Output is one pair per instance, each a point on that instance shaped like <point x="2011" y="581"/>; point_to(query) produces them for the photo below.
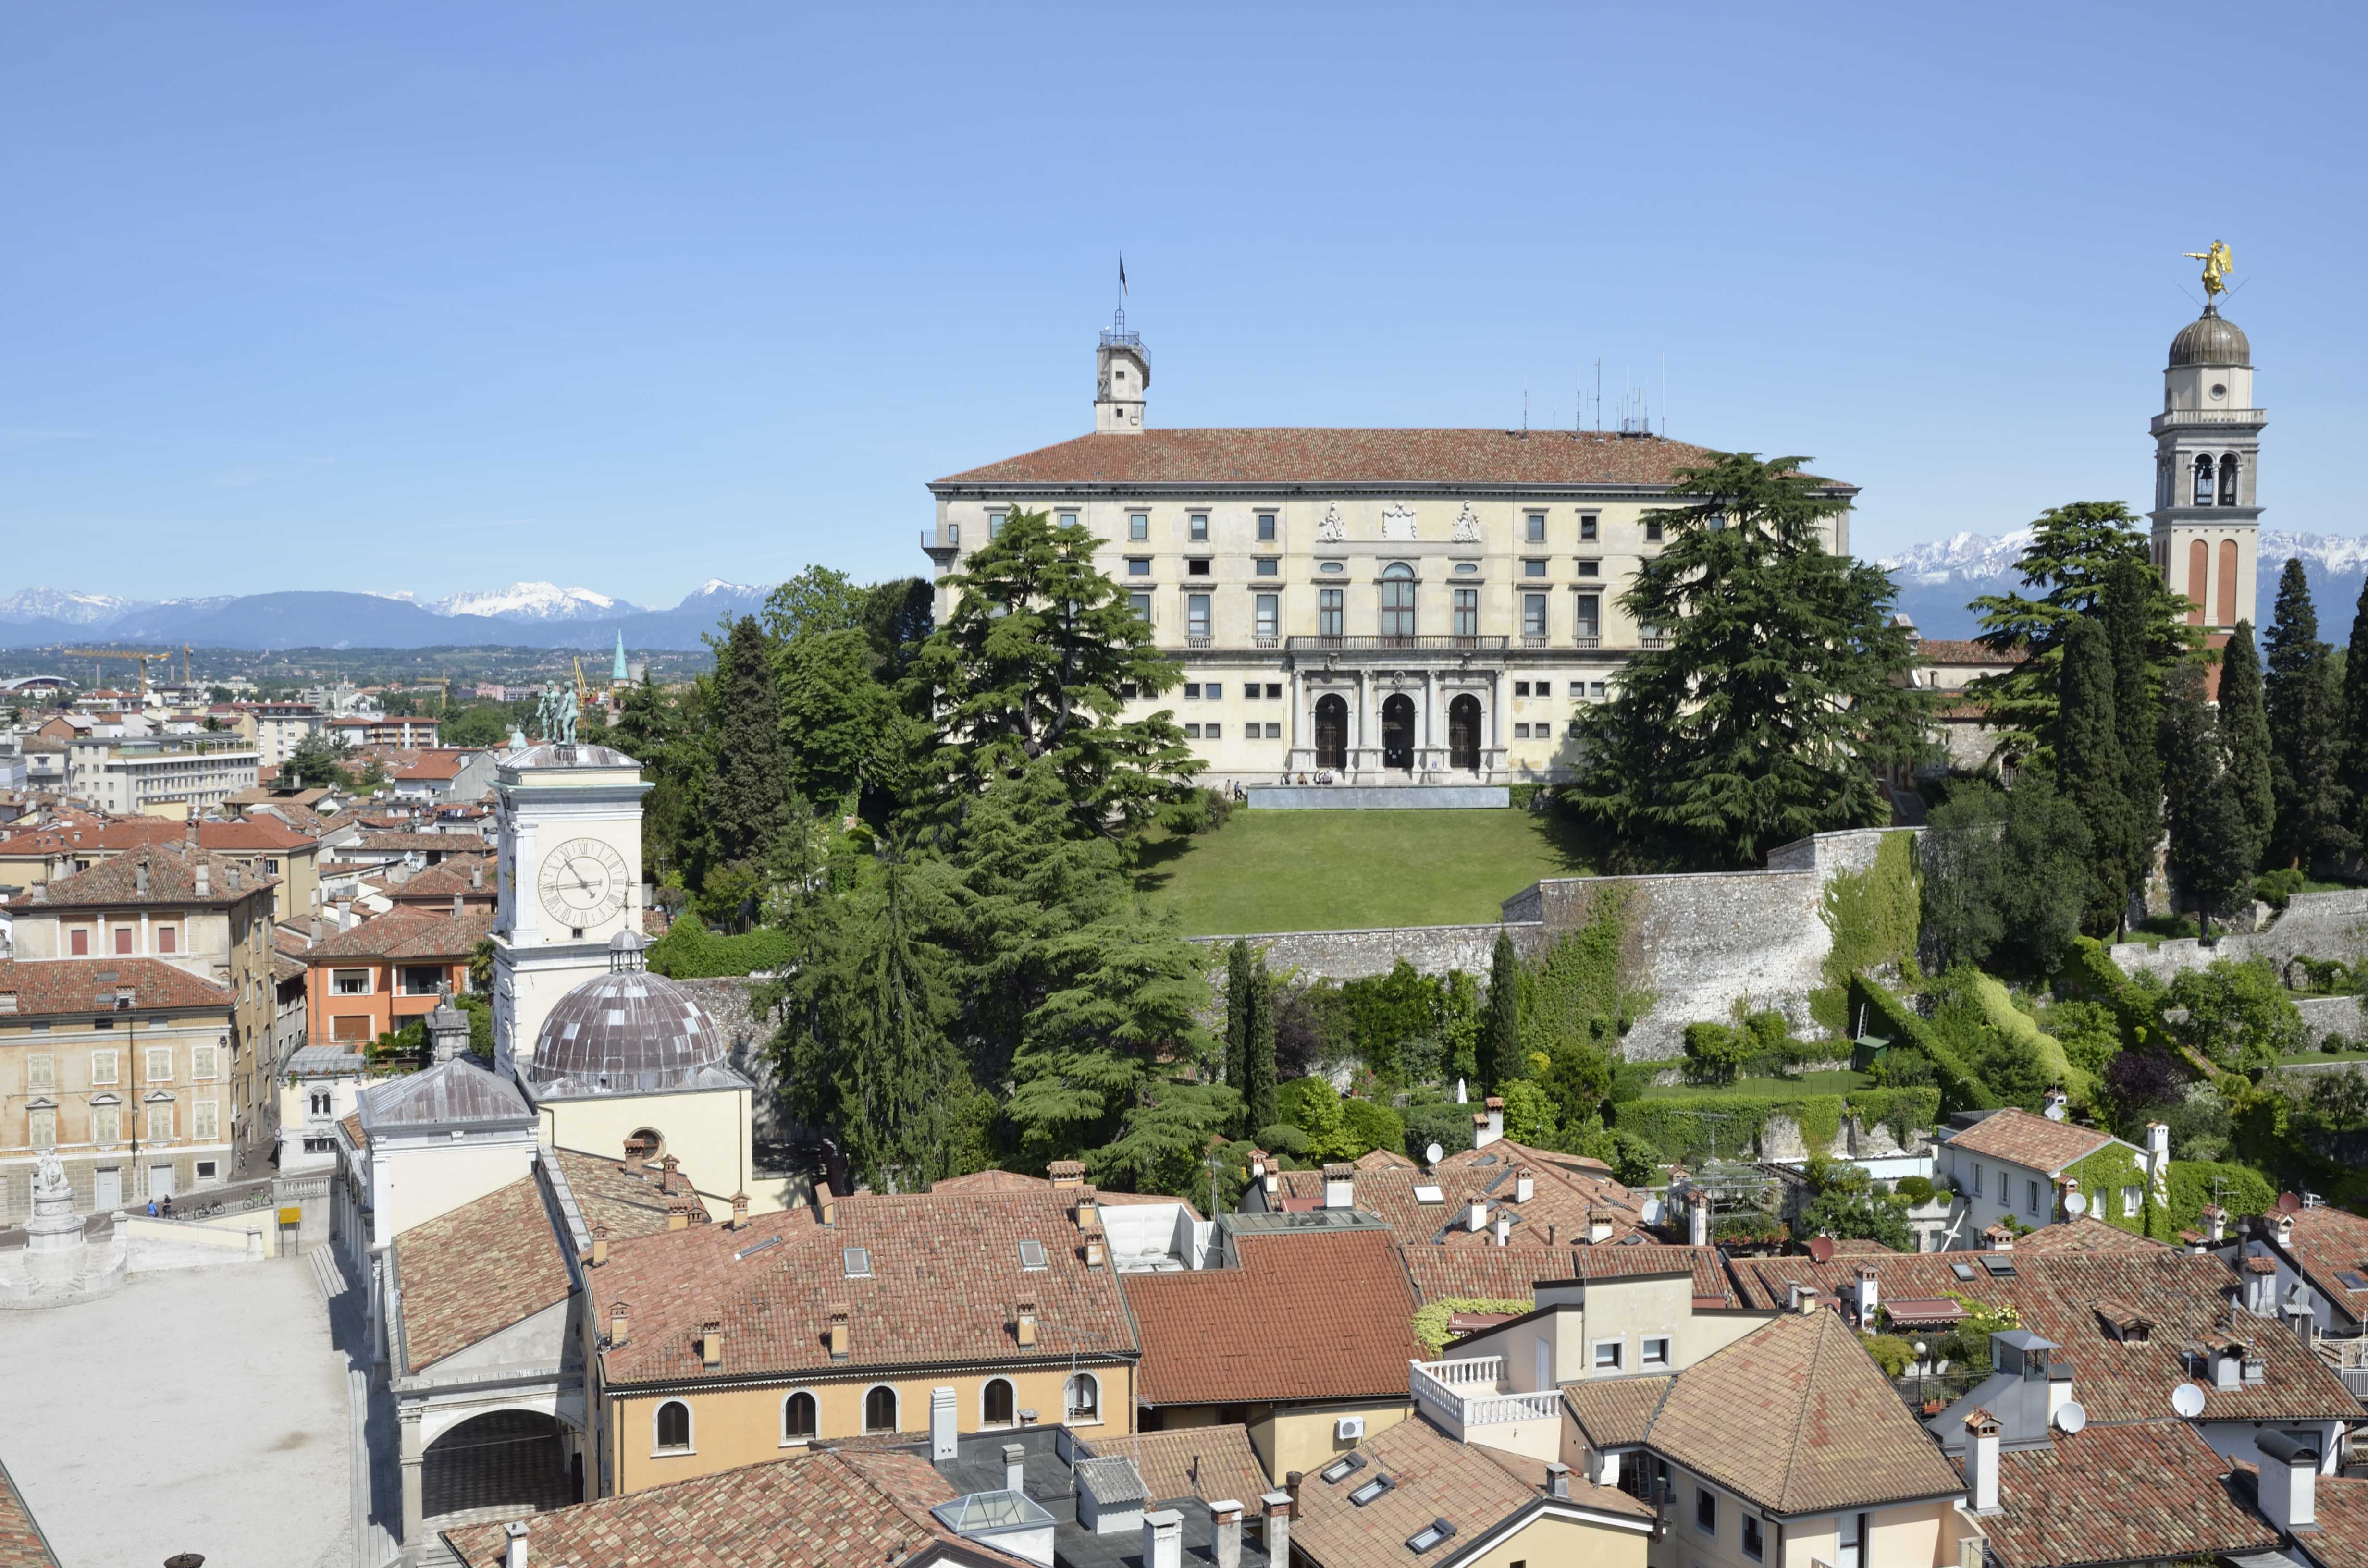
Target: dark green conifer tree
<point x="2189" y="752"/>
<point x="751" y="782"/>
<point x="1259" y="1081"/>
<point x="2132" y="610"/>
<point x="1500" y="1037"/>
<point x="2244" y="739"/>
<point x="2304" y="741"/>
<point x="2088" y="769"/>
<point x="1238" y="982"/>
<point x="2351" y="772"/>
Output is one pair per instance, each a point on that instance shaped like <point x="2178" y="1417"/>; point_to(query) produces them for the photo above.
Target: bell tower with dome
<point x="1121" y="376"/>
<point x="2207" y="512"/>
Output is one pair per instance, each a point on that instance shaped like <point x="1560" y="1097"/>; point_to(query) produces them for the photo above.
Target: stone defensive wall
<point x="1700" y="942"/>
<point x="2314" y="925"/>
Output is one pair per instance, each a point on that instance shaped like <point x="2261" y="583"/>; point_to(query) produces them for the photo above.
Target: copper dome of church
<point x="2210" y="339"/>
<point x="629" y="1032"/>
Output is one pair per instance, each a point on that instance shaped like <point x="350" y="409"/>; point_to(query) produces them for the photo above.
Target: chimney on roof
<point x="1598" y="1226"/>
<point x="1982" y="1461"/>
<point x="825" y="1204"/>
<point x="617" y="1322"/>
<point x="1868" y="1289"/>
<point x="711" y="1344"/>
<point x="1802" y="1299"/>
<point x="2158" y="1160"/>
<point x="2055" y="1104"/>
<point x="477" y="873"/>
<point x="1068" y="1173"/>
<point x="205" y="881"/>
<point x="943" y="1443"/>
<point x="1339" y="1186"/>
<point x="599" y="1245"/>
<point x="1163" y="1538"/>
<point x="1225" y="1532"/>
<point x="189" y="830"/>
<point x="1089" y="1208"/>
<point x="1015" y="1468"/>
<point x="2299" y="1316"/>
<point x="1559" y="1481"/>
<point x="316" y="926"/>
<point x="232" y="877"/>
<point x="2289" y="1487"/>
<point x="139" y="877"/>
<point x="2215" y="1224"/>
<point x="668" y="1180"/>
<point x="838" y="1315"/>
<point x="1023" y="1324"/>
<point x="739" y="1210"/>
<point x="1697" y="1218"/>
<point x="1095" y="1250"/>
<point x="514" y="1544"/>
<point x="1999" y="1238"/>
<point x="457" y="907"/>
<point x="633" y="1156"/>
<point x="1489" y="1125"/>
<point x="1277" y="1507"/>
<point x="677" y="1212"/>
<point x="1475" y="1214"/>
<point x="1525" y="1186"/>
<point x="1503" y="1227"/>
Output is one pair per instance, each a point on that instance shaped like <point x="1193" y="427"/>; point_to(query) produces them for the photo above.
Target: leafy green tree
<point x="1371" y="1125"/>
<point x="2090" y="770"/>
<point x="1500" y="1037"/>
<point x="2189" y="750"/>
<point x="2245" y="740"/>
<point x="2306" y="740"/>
<point x="651" y="727"/>
<point x="1576" y="1079"/>
<point x="1529" y="1114"/>
<point x="816" y="600"/>
<point x="1164" y="1139"/>
<point x="1861" y="1215"/>
<point x="1715" y="1053"/>
<point x="2067" y="570"/>
<point x="1312" y="1106"/>
<point x="315" y="763"/>
<point x="842" y="731"/>
<point x="480" y="725"/>
<point x="898" y="616"/>
<point x="1258" y="1079"/>
<point x="1783" y="679"/>
<point x="2005" y="876"/>
<point x="1036" y="663"/>
<point x="751" y="783"/>
<point x="2352" y="744"/>
<point x="2226" y="854"/>
<point x="2235" y="1015"/>
<point x="1963" y="888"/>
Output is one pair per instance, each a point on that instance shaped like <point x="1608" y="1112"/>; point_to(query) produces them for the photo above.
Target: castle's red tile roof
<point x="1326" y="1315"/>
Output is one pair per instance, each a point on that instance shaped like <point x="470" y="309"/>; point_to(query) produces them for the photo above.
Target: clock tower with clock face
<point x="570" y="880"/>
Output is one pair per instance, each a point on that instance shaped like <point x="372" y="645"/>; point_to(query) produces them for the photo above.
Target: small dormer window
<point x="857" y="1262"/>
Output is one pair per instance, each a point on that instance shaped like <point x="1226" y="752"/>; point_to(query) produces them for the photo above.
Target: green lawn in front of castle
<point x="1278" y="871"/>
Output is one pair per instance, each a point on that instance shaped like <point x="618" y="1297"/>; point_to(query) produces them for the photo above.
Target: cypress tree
<point x="2244" y="739"/>
<point x="2226" y="858"/>
<point x="2189" y="754"/>
<point x="1500" y="1039"/>
<point x="2299" y="693"/>
<point x="2352" y="757"/>
<point x="2088" y="747"/>
<point x="1259" y="1080"/>
<point x="751" y="782"/>
<point x="2132" y="612"/>
<point x="1237" y="1012"/>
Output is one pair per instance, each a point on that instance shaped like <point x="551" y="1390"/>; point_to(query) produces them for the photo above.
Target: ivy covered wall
<point x="1873" y="915"/>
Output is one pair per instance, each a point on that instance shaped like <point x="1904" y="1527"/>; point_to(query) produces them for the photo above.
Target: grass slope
<point x="1270" y="870"/>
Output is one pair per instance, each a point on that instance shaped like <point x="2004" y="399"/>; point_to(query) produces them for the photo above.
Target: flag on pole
<point x="1122" y="272"/>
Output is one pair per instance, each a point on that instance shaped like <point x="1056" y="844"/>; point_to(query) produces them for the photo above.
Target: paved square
<point x="195" y="1410"/>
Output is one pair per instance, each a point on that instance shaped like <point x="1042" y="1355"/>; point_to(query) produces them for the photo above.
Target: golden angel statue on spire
<point x="2217" y="264"/>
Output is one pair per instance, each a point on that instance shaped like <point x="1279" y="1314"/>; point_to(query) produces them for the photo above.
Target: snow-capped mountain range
<point x="1938" y="580"/>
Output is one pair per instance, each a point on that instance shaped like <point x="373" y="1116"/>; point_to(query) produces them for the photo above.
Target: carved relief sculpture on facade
<point x="1467" y="526"/>
<point x="1397" y="521"/>
<point x="1329" y="530"/>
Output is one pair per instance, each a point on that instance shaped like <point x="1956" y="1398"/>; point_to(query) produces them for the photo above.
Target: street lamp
<point x="1920" y="1377"/>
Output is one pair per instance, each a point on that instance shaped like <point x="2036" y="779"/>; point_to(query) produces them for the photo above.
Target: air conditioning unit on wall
<point x="1349" y="1429"/>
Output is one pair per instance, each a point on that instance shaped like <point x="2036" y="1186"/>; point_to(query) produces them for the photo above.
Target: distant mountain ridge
<point x="1938" y="580"/>
<point x="532" y="615"/>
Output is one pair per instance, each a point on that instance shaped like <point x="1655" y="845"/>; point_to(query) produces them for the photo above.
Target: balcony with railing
<point x="1385" y="642"/>
<point x="1588" y="640"/>
<point x="2170" y="417"/>
<point x="1469" y="1400"/>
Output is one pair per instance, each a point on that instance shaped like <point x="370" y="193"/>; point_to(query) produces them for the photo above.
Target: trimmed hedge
<point x="2087" y="969"/>
<point x="2020" y="1027"/>
<point x="2243" y="1190"/>
<point x="1961" y="1088"/>
<point x="1681" y="1128"/>
<point x="690" y="951"/>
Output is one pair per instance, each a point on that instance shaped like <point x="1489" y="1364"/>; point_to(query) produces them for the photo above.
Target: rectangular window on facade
<point x="1534" y="615"/>
<point x="201" y="1060"/>
<point x="168" y="940"/>
<point x="1141" y="603"/>
<point x="1595" y="691"/>
<point x="994" y="523"/>
<point x="1215" y="691"/>
<point x="1752" y="1546"/>
<point x="102" y="1067"/>
<point x="1467" y="612"/>
<point x="349" y="981"/>
<point x="1266" y="528"/>
<point x="2130" y="1197"/>
<point x="1269" y="566"/>
<point x="1977" y="1178"/>
<point x="1273" y="691"/>
<point x="42" y="1128"/>
<point x="159" y="1123"/>
<point x="1269" y="616"/>
<point x="1607" y="1356"/>
<point x="1520" y="688"/>
<point x="1586" y="525"/>
<point x="40" y="1072"/>
<point x="348" y="1028"/>
<point x="1850" y="1540"/>
<point x="1533" y="567"/>
<point x="1329" y="615"/>
<point x="2031" y="1195"/>
<point x="1705" y="1511"/>
<point x="1590" y="568"/>
<point x="1138" y="566"/>
<point x="205" y="1121"/>
<point x="78" y="943"/>
<point x="1521" y="732"/>
<point x="1655" y="1352"/>
<point x="1211" y="732"/>
<point x="1066" y="520"/>
<point x="106" y="1124"/>
<point x="1197" y="567"/>
<point x="1274" y="731"/>
<point x="1545" y="688"/>
<point x="1191" y="691"/>
<point x="1191" y="731"/>
<point x="1199" y="524"/>
<point x="158" y="1065"/>
<point x="1588" y="608"/>
<point x="1653" y="529"/>
<point x="1533" y="526"/>
<point x="123" y="940"/>
<point x="1196" y="615"/>
<point x="1138" y="525"/>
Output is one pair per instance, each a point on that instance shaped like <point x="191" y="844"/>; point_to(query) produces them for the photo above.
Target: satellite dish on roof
<point x="1431" y="1153"/>
<point x="2071" y="1418"/>
<point x="2188" y="1401"/>
<point x="2076" y="1203"/>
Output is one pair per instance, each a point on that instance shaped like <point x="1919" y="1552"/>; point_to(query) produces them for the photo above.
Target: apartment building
<point x="380" y="974"/>
<point x="170" y="776"/>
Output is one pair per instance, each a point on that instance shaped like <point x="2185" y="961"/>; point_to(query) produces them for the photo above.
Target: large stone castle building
<point x="1380" y="606"/>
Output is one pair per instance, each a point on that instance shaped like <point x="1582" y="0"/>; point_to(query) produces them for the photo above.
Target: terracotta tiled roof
<point x="472" y="1272"/>
<point x="1317" y="1316"/>
<point x="946" y="1274"/>
<point x="471" y="876"/>
<point x="1562" y="1197"/>
<point x="1015" y="1181"/>
<point x="2085" y="1233"/>
<point x="440" y="762"/>
<point x="171" y="878"/>
<point x="2327" y="1243"/>
<point x="255" y="835"/>
<point x="1209" y="1462"/>
<point x="1767" y="1282"/>
<point x="626" y="1203"/>
<point x="1614" y="1411"/>
<point x="1511" y="1273"/>
<point x="2343" y="1538"/>
<point x="405" y="842"/>
<point x="1431" y="1477"/>
<point x="352" y="1123"/>
<point x="1859" y="1244"/>
<point x="826" y="1510"/>
<point x="50" y="986"/>
<point x="22" y="1544"/>
<point x="1302" y="456"/>
<point x="1955" y="651"/>
<point x="2150" y="1491"/>
<point x="2033" y="1142"/>
<point x="411" y="932"/>
<point x="1797" y="1417"/>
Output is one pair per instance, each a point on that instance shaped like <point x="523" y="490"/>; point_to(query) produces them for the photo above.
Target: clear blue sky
<point x="437" y="297"/>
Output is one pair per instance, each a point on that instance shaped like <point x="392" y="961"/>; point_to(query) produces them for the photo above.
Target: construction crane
<point x="583" y="689"/>
<point x="145" y="659"/>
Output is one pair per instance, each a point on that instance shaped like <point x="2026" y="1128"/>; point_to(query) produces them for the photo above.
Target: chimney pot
<point x="1163" y="1538"/>
<point x="839" y="1316"/>
<point x="1525" y="1186"/>
<point x="828" y="1203"/>
<point x="1503" y="1227"/>
<point x="1015" y="1467"/>
<point x="633" y="1156"/>
<point x="2288" y="1488"/>
<point x="711" y="1344"/>
<point x="1339" y="1186"/>
<point x="514" y="1544"/>
<point x="1557" y="1479"/>
<point x="1982" y="1461"/>
<point x="1475" y="1215"/>
<point x="457" y="907"/>
<point x="739" y="1210"/>
<point x="1278" y="1506"/>
<point x="1225" y="1542"/>
<point x="944" y="1443"/>
<point x="599" y="1245"/>
<point x="617" y="1322"/>
<point x="1024" y="1323"/>
<point x="1067" y="1173"/>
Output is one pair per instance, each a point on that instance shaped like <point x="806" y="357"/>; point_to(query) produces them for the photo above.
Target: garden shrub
<point x="1369" y="1126"/>
<point x="1874" y="916"/>
<point x="2024" y="1031"/>
<point x="2242" y="1190"/>
<point x="689" y="950"/>
<point x="1881" y="1013"/>
<point x="1430" y="1319"/>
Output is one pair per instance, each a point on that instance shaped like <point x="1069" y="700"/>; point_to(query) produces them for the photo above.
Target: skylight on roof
<point x="2000" y="1268"/>
<point x="1428" y="1192"/>
<point x="1031" y="1254"/>
<point x="1962" y="1270"/>
<point x="857" y="1261"/>
<point x="1430" y="1534"/>
<point x="1346" y="1465"/>
<point x="2352" y="1280"/>
<point x="748" y="1252"/>
<point x="1371" y="1490"/>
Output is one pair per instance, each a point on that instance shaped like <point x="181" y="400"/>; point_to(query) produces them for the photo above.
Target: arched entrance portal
<point x="498" y="1465"/>
<point x="1331" y="731"/>
<point x="1398" y="732"/>
<point x="1464" y="733"/>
